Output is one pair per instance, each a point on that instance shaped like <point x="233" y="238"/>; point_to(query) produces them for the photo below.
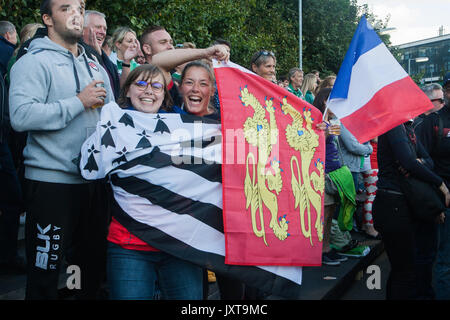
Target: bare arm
<point x="168" y="60"/>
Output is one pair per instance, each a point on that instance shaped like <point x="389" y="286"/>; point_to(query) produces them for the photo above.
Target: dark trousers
<point x="427" y="239"/>
<point x="65" y="221"/>
<point x="10" y="205"/>
<point x="411" y="247"/>
<point x="393" y="221"/>
<point x="229" y="288"/>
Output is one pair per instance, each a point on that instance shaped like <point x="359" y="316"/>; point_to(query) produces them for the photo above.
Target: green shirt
<point x="297" y="92"/>
<point x="309" y="97"/>
<point x="133" y="65"/>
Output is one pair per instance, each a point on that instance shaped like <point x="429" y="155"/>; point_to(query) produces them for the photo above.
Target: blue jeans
<point x="132" y="275"/>
<point x="442" y="267"/>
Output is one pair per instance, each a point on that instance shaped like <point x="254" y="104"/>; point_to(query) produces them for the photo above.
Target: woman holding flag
<point x="133" y="266"/>
<point x="197" y="88"/>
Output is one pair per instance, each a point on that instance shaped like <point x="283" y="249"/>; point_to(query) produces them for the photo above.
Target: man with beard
<point x="55" y="89"/>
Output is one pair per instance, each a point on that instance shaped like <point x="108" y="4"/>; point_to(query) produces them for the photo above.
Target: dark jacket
<point x="107" y="64"/>
<point x="4" y="112"/>
<point x="434" y="134"/>
<point x="6" y="52"/>
<point x="394" y="150"/>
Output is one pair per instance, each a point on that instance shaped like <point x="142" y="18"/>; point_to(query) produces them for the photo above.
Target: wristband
<point x="126" y="65"/>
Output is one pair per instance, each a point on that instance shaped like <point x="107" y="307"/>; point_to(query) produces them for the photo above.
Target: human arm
<point x="131" y="53"/>
<point x="168" y="60"/>
<point x="425" y="158"/>
<point x="443" y="188"/>
<point x="425" y="131"/>
<point x="352" y="145"/>
<point x="407" y="159"/>
<point x="30" y="108"/>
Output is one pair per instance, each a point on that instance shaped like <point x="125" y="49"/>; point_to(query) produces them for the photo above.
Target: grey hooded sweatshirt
<point x="43" y="101"/>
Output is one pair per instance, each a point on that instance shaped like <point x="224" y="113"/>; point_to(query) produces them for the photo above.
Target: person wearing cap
<point x="434" y="133"/>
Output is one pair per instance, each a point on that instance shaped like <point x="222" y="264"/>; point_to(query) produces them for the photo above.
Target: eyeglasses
<point x="157" y="87"/>
<point x="440" y="100"/>
<point x="264" y="53"/>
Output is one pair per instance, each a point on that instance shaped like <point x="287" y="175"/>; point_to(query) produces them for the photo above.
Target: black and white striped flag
<point x="165" y="172"/>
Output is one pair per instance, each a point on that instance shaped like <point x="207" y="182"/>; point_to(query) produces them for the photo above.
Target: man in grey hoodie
<point x="53" y="94"/>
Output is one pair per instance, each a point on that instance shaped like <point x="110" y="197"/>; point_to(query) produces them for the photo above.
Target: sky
<point x="413" y="19"/>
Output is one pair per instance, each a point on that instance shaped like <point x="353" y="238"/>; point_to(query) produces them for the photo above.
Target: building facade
<point x="428" y="58"/>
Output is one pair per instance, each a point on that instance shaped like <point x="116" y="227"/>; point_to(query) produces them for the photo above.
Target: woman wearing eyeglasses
<point x="133" y="266"/>
<point x="263" y="63"/>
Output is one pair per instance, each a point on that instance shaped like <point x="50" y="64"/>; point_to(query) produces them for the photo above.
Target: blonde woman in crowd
<point x="309" y="86"/>
<point x="122" y="39"/>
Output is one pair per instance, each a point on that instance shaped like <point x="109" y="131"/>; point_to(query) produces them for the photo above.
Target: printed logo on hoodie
<point x="93" y="66"/>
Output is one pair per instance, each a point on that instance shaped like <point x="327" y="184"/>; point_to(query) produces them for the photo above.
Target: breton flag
<point x="273" y="172"/>
<point x="165" y="173"/>
<point x="373" y="93"/>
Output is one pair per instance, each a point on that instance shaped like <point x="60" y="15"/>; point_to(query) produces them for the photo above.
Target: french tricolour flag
<point x="373" y="93"/>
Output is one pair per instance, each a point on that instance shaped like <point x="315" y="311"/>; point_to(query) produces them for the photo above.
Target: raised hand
<point x="219" y="52"/>
<point x="132" y="52"/>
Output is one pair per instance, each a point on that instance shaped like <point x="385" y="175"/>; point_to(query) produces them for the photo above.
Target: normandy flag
<point x="166" y="175"/>
<point x="272" y="172"/>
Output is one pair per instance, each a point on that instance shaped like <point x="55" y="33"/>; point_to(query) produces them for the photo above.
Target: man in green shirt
<point x="295" y="82"/>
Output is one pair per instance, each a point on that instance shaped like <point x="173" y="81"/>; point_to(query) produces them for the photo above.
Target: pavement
<point x="319" y="283"/>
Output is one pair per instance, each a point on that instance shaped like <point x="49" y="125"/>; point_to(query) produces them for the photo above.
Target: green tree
<point x="250" y="25"/>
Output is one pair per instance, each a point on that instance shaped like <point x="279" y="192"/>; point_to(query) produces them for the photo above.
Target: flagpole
<point x="300" y="34"/>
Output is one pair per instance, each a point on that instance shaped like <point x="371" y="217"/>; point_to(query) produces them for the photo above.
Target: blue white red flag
<point x="373" y="93"/>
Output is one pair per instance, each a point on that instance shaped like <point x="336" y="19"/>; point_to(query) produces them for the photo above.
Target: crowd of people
<point x="53" y="84"/>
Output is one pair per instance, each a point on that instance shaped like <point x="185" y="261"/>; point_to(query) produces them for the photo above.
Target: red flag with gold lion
<point x="272" y="172"/>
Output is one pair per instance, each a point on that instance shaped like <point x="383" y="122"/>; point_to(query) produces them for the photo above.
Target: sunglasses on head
<point x="441" y="100"/>
<point x="157" y="87"/>
<point x="264" y="53"/>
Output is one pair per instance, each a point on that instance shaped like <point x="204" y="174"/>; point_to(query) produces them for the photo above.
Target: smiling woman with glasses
<point x="133" y="266"/>
<point x="157" y="87"/>
<point x="263" y="63"/>
<point x="145" y="90"/>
